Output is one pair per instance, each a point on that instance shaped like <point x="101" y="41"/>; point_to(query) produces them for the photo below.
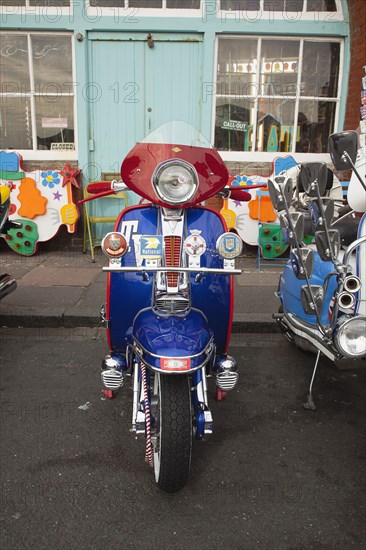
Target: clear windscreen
<point x="177" y="133"/>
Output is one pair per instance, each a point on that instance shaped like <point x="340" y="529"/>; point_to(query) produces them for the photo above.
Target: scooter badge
<point x="229" y="245"/>
<point x="114" y="245"/>
<point x="151" y="246"/>
<point x="195" y="244"/>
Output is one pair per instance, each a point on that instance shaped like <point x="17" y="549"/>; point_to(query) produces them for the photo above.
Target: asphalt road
<point x="273" y="476"/>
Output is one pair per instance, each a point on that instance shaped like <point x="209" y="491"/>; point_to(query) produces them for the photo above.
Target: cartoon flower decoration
<point x="242" y="181"/>
<point x="50" y="179"/>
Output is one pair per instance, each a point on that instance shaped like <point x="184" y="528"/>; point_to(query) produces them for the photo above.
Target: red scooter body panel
<point x="138" y="167"/>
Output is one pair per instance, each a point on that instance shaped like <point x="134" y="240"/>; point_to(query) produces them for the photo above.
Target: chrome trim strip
<point x="310" y="334"/>
<point x="172" y="371"/>
<point x="138" y="345"/>
<point x="142" y="269"/>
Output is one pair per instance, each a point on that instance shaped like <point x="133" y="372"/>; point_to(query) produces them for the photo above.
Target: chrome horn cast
<point x="225" y="368"/>
<point x="112" y="373"/>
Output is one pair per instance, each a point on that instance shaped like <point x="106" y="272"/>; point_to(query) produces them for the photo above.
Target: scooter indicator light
<point x="114" y="245"/>
<point x="174" y="364"/>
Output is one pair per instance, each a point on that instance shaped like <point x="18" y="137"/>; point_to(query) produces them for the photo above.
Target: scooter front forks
<point x="138" y="414"/>
<point x="202" y="421"/>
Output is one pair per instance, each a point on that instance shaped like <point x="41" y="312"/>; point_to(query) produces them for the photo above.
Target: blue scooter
<point x="322" y="290"/>
<point x="169" y="303"/>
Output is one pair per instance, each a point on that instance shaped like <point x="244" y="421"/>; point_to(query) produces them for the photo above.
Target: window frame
<point x="268" y="156"/>
<point x="44" y="154"/>
<point x="271" y="15"/>
<point x="128" y="13"/>
<point x="59" y="11"/>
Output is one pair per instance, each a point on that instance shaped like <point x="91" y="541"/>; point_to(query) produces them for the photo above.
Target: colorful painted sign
<point x="41" y="201"/>
<point x="248" y="217"/>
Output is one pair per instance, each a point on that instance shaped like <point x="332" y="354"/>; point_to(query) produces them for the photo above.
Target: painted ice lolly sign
<point x="41" y="200"/>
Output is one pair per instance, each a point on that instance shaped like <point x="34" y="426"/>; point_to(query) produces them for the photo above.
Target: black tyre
<point x="171" y="431"/>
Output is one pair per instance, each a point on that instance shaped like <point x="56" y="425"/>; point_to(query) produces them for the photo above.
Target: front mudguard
<point x="186" y="338"/>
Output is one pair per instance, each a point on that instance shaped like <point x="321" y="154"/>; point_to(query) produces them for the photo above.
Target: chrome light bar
<point x="145" y="269"/>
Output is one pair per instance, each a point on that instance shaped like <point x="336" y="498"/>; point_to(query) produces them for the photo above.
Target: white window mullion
<point x="254" y="137"/>
<point x="32" y="97"/>
<point x="297" y="97"/>
<point x="340" y="75"/>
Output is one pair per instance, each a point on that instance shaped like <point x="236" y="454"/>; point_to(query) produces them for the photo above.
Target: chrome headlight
<point x="175" y="181"/>
<point x="350" y="337"/>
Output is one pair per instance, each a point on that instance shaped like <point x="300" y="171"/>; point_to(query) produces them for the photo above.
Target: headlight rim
<point x="342" y="323"/>
<point x="171" y="162"/>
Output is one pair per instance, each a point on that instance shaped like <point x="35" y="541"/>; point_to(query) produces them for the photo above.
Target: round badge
<point x="229" y="245"/>
<point x="114" y="245"/>
<point x="195" y="245"/>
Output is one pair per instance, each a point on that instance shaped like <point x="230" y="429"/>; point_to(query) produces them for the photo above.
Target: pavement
<point x="64" y="288"/>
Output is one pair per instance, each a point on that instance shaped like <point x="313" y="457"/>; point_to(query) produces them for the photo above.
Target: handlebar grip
<point x="99" y="187"/>
<point x="240" y="195"/>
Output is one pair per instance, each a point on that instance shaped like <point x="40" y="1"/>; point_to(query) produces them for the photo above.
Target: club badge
<point x="114" y="245"/>
<point x="229" y="245"/>
<point x="195" y="244"/>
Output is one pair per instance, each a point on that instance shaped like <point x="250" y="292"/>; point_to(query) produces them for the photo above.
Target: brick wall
<point x="357" y="14"/>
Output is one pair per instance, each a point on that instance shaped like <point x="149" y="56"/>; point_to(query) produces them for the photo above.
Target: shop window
<point x="280" y="5"/>
<point x="36" y="92"/>
<point x="276" y="95"/>
<point x="148" y="4"/>
<point x="36" y="3"/>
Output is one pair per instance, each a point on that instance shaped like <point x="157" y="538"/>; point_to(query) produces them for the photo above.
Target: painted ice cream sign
<point x="41" y="201"/>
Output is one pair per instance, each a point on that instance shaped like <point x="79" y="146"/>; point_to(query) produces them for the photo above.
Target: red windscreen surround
<point x="139" y="165"/>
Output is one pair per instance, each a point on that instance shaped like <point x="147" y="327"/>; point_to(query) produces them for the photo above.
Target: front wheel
<point x="171" y="431"/>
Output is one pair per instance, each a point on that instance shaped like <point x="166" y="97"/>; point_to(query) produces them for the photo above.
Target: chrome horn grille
<point x="227" y="381"/>
<point x="172" y="303"/>
<point x="111" y="375"/>
<point x="112" y="379"/>
<point x="226" y="372"/>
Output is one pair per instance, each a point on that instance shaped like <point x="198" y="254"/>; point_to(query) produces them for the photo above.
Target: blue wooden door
<point x="136" y="85"/>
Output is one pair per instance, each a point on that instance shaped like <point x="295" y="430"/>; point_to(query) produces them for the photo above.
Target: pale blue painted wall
<point x="209" y="25"/>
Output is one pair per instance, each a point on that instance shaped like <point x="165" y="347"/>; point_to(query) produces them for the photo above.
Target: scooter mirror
<point x="342" y="147"/>
<point x="319" y="221"/>
<point x="293" y="230"/>
<point x="328" y="249"/>
<point x="313" y="175"/>
<point x="280" y="192"/>
<point x="302" y="261"/>
<point x="312" y="298"/>
<point x="298" y="224"/>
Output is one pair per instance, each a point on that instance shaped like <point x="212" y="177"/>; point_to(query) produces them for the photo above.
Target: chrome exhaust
<point x="352" y="283"/>
<point x="346" y="300"/>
